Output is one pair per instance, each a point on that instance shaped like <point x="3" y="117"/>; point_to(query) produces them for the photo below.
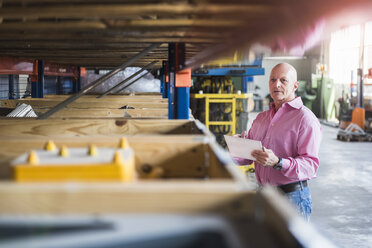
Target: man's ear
<point x="296" y="84"/>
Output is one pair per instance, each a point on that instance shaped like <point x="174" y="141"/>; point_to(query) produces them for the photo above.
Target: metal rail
<point x="132" y="82"/>
<point x="128" y="79"/>
<point x="97" y="82"/>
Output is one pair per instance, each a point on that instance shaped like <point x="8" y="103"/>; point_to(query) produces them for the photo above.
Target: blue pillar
<point x="76" y="83"/>
<point x="59" y="85"/>
<point x="183" y="102"/>
<point x="178" y="97"/>
<point x="164" y="88"/>
<point x="40" y="78"/>
<point x="34" y="89"/>
<point x="11" y="87"/>
<point x="246" y="80"/>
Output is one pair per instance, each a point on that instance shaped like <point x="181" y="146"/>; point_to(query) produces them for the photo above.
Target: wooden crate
<point x="19" y="135"/>
<point x="193" y="177"/>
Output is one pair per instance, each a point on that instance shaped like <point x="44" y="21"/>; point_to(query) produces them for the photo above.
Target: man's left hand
<point x="266" y="157"/>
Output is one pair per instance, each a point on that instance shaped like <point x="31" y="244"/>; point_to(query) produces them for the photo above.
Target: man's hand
<point x="242" y="135"/>
<point x="266" y="157"/>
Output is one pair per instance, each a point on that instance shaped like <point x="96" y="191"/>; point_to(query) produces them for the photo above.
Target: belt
<point x="287" y="188"/>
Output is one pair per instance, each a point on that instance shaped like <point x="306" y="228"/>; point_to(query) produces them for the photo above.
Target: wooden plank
<point x="151" y="197"/>
<point x="67" y="25"/>
<point x="109" y="113"/>
<point x="110" y="36"/>
<point x="137" y="95"/>
<point x="97" y="25"/>
<point x="83" y="105"/>
<point x="86" y="127"/>
<point x="110" y="98"/>
<point x="126" y="10"/>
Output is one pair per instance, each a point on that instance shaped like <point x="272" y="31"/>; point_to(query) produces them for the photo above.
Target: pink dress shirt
<point x="292" y="133"/>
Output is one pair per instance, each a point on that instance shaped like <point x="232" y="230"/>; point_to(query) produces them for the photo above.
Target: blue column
<point x="245" y="81"/>
<point x="178" y="97"/>
<point x="11" y="87"/>
<point x="183" y="102"/>
<point x="35" y="89"/>
<point x="40" y="69"/>
<point x="59" y="85"/>
<point x="76" y="83"/>
<point x="164" y="88"/>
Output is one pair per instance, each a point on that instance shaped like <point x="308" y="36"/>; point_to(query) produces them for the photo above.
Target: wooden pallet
<point x="353" y="133"/>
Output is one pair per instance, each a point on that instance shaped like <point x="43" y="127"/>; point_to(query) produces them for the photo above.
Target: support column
<point x="179" y="82"/>
<point x="172" y="59"/>
<point x="360" y="97"/>
<point x="164" y="83"/>
<point x="34" y="80"/>
<point x="59" y="85"/>
<point x="11" y="87"/>
<point x="245" y="81"/>
<point x="40" y="69"/>
<point x="76" y="81"/>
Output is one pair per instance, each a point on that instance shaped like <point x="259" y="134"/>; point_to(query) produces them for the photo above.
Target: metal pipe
<point x="97" y="82"/>
<point x="127" y="79"/>
<point x="135" y="80"/>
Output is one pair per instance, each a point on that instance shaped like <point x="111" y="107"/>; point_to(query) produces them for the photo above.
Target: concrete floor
<point x="342" y="192"/>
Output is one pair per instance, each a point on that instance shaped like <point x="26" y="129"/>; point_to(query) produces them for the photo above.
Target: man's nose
<point x="277" y="83"/>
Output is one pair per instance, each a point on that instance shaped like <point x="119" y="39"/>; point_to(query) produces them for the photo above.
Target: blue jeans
<point x="301" y="199"/>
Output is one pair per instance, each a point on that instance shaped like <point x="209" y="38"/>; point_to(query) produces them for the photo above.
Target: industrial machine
<point x="221" y="99"/>
<point x="353" y="124"/>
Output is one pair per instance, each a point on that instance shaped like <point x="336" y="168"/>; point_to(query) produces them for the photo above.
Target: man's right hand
<point x="242" y="135"/>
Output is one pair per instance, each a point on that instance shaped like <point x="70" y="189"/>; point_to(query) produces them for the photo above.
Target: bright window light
<point x="344" y="54"/>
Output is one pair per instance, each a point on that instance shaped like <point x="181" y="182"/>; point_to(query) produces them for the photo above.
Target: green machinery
<point x="324" y="104"/>
<point x="319" y="96"/>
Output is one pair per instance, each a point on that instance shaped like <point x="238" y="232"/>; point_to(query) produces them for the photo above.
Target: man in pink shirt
<point x="290" y="135"/>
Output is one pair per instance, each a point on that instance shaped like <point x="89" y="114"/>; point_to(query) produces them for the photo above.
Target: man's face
<point x="282" y="84"/>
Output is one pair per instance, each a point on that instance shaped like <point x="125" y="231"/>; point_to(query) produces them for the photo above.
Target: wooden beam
<point x="66" y="25"/>
<point x="123" y="10"/>
<point x="112" y="127"/>
<point x="111" y="113"/>
<point x="107" y="36"/>
<point x="185" y="197"/>
<point x="83" y="105"/>
<point x="137" y="97"/>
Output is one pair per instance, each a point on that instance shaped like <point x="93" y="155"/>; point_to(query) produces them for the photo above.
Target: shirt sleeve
<point x="305" y="164"/>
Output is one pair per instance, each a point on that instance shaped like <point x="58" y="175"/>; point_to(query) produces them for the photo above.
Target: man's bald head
<point x="292" y="73"/>
<point x="283" y="84"/>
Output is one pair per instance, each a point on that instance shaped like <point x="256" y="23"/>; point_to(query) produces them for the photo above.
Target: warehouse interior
<point x="114" y="116"/>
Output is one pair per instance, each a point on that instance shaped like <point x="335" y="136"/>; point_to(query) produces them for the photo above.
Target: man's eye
<point x="284" y="80"/>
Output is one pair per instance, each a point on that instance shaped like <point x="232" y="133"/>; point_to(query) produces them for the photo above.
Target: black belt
<point x="287" y="188"/>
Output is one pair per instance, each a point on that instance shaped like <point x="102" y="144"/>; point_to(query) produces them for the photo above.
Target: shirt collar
<point x="295" y="103"/>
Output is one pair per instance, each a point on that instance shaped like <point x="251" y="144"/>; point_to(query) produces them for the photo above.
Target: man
<point x="290" y="135"/>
